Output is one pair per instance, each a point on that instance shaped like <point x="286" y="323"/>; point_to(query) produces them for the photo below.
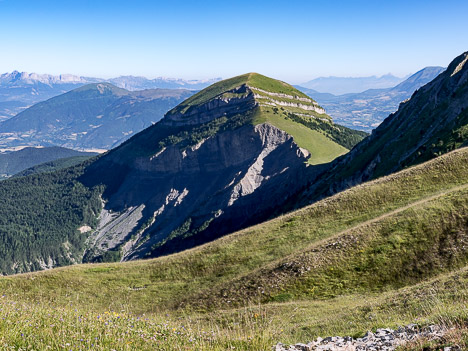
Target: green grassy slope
<point x="321" y="148"/>
<point x="38" y="324"/>
<point x="179" y="278"/>
<point x="260" y="81"/>
<point x="369" y="251"/>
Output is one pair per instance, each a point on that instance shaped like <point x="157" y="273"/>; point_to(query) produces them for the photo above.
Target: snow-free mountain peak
<point x="214" y="163"/>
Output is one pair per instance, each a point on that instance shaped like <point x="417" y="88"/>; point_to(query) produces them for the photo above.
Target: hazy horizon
<point x="295" y="41"/>
<point x="194" y="78"/>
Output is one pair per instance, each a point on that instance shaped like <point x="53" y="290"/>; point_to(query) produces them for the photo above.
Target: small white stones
<point x="383" y="340"/>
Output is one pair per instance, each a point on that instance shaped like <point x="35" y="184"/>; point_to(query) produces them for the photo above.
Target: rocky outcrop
<point x="287" y="96"/>
<point x="271" y="98"/>
<point x="273" y="102"/>
<point x="381" y="340"/>
<point x="235" y="101"/>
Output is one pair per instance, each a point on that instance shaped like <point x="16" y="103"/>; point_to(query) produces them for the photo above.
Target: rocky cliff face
<point x="221" y="182"/>
<point x="234" y="101"/>
<point x="205" y="170"/>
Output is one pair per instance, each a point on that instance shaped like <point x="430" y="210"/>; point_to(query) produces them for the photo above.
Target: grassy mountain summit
<point x="279" y="104"/>
<point x="216" y="154"/>
<point x="228" y="87"/>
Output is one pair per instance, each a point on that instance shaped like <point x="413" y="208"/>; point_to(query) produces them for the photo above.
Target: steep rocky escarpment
<point x="178" y="198"/>
<point x="271" y="99"/>
<point x="218" y="162"/>
<point x="235" y="101"/>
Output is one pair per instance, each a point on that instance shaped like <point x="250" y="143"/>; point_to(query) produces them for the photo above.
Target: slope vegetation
<point x="52" y="166"/>
<point x="324" y="227"/>
<point x="367" y="255"/>
<point x="44" y="219"/>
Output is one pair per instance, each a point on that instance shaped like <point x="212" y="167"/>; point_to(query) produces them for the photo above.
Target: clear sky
<point x="289" y="39"/>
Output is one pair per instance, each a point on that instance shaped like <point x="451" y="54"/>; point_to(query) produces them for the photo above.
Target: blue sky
<point x="290" y="40"/>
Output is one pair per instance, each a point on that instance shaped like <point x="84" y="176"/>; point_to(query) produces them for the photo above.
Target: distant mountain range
<point x="346" y="85"/>
<point x="20" y="90"/>
<point x="95" y="116"/>
<point x="141" y="83"/>
<point x="366" y="110"/>
<point x="431" y="123"/>
<point x="363" y="110"/>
